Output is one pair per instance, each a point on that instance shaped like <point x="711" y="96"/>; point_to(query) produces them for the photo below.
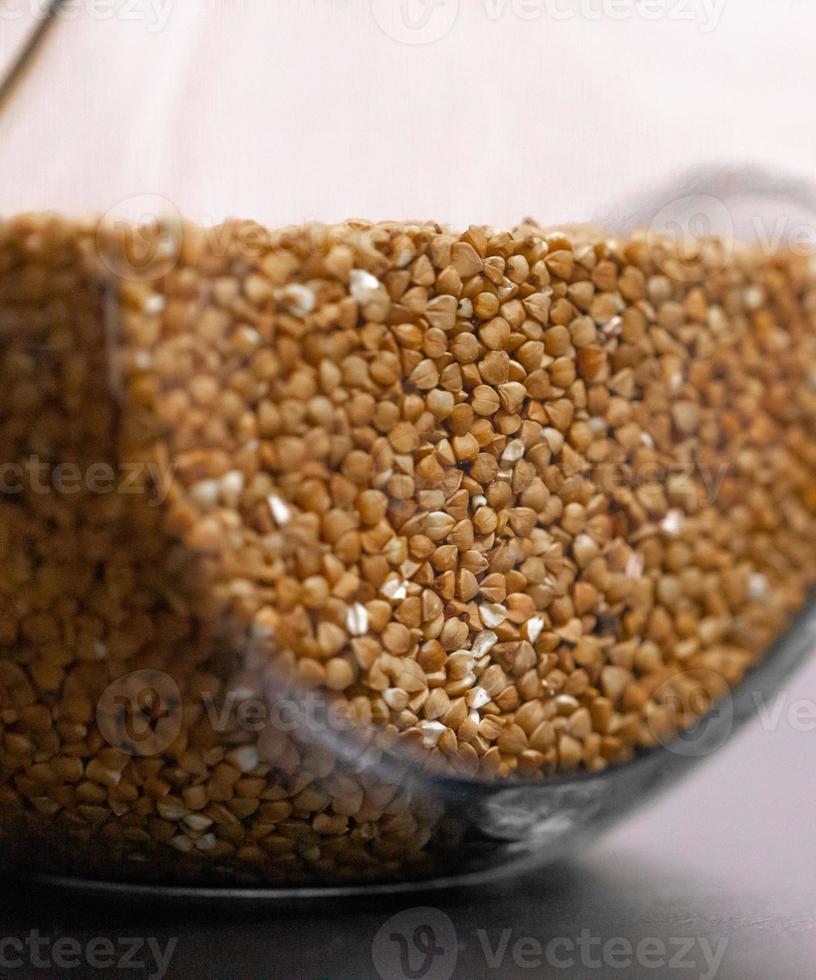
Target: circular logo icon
<point x="140" y="713"/>
<point x="415" y="21"/>
<point x="140" y="238"/>
<point x="703" y="711"/>
<point x="682" y="236"/>
<point x="417" y="944"/>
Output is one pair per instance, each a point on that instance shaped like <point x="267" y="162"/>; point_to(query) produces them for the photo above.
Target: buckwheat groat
<point x="504" y="499"/>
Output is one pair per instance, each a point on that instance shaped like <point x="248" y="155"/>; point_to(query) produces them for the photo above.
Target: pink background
<point x="290" y="111"/>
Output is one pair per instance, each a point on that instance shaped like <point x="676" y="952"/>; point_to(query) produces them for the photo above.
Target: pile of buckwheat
<point x="509" y="498"/>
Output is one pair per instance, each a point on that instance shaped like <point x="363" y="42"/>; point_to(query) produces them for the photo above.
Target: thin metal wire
<point x="13" y="74"/>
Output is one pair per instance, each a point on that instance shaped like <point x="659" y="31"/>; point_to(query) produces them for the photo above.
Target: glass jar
<point x="374" y="554"/>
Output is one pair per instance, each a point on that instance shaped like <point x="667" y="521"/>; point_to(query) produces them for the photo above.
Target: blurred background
<point x="458" y="110"/>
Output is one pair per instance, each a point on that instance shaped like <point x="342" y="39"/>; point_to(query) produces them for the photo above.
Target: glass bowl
<point x="210" y="677"/>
